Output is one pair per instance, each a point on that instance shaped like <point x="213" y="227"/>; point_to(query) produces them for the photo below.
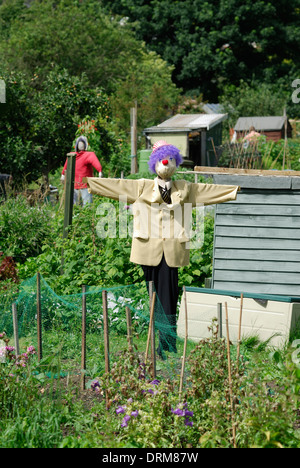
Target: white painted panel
<point x="262" y="319"/>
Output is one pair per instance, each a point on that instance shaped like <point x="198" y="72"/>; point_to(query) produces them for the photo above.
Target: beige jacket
<point x="160" y="228"/>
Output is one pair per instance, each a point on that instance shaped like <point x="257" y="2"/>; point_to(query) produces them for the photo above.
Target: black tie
<point x="165" y="194"/>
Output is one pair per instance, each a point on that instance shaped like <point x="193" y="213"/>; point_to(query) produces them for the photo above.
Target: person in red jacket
<point x="85" y="162"/>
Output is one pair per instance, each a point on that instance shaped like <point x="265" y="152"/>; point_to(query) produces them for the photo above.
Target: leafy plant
<point x="24" y="228"/>
<point x="8" y="269"/>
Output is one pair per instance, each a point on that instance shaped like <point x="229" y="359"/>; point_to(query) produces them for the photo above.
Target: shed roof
<point x="260" y="123"/>
<point x="187" y="122"/>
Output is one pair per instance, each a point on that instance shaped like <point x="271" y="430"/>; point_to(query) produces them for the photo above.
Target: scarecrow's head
<point x="164" y="159"/>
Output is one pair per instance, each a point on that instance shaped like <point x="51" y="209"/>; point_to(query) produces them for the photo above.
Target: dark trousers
<point x="165" y="281"/>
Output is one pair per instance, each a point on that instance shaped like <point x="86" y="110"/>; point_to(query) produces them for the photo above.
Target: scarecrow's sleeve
<point x="209" y="194"/>
<point x="114" y="188"/>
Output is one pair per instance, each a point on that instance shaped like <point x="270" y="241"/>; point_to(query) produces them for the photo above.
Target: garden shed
<point x="256" y="253"/>
<point x="272" y="127"/>
<point x="196" y="135"/>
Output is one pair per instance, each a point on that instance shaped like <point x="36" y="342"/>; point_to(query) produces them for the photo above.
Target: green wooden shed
<point x="257" y="236"/>
<point x="257" y="254"/>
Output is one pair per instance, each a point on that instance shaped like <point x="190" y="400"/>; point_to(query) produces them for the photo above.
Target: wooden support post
<point x="106" y="331"/>
<point x="285" y="138"/>
<point x="185" y="345"/>
<point x="83" y="340"/>
<point x="219" y="306"/>
<point x="129" y="328"/>
<point x="39" y="316"/>
<point x="240" y="333"/>
<point x="203" y="147"/>
<point x="133" y="124"/>
<point x="153" y="352"/>
<point x="16" y="329"/>
<point x="230" y="378"/>
<point x="150" y="327"/>
<point x="69" y="199"/>
<point x="69" y="192"/>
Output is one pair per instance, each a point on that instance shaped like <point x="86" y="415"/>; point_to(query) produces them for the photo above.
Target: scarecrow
<point x="160" y="207"/>
<point x="85" y="162"/>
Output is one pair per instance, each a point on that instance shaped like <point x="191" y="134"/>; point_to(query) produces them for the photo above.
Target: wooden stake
<point x="185" y="345"/>
<point x="106" y="331"/>
<point x="106" y="340"/>
<point x="83" y="340"/>
<point x="219" y="310"/>
<point x="16" y="330"/>
<point x="230" y="379"/>
<point x="69" y="192"/>
<point x="39" y="316"/>
<point x="240" y="333"/>
<point x="133" y="124"/>
<point x="129" y="328"/>
<point x="153" y="351"/>
<point x="68" y="200"/>
<point x="150" y="325"/>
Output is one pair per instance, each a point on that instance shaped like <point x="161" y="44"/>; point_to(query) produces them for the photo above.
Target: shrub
<point x="8" y="268"/>
<point x="23" y="228"/>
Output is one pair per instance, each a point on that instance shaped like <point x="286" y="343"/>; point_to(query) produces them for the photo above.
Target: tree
<point x="79" y="37"/>
<point x="37" y="127"/>
<point x="149" y="83"/>
<point x="253" y="100"/>
<point x="76" y="36"/>
<point x="211" y="44"/>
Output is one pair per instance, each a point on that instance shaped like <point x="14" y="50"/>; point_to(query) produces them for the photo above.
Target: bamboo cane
<point x="106" y="331"/>
<point x="230" y="379"/>
<point x="39" y="315"/>
<point x="185" y="344"/>
<point x="150" y="325"/>
<point x="106" y="340"/>
<point x="16" y="330"/>
<point x="129" y="328"/>
<point x="83" y="339"/>
<point x="240" y="333"/>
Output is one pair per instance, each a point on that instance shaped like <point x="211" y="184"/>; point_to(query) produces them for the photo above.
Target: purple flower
<point x="125" y="421"/>
<point x="135" y="413"/>
<point x="187" y="422"/>
<point x="184" y="412"/>
<point x="155" y="382"/>
<point x="120" y="410"/>
<point x="31" y="350"/>
<point x="178" y="412"/>
<point x="95" y="384"/>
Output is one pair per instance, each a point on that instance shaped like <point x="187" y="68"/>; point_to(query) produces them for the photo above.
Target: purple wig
<point x="162" y="153"/>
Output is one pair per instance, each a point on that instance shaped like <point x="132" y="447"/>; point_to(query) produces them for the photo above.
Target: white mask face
<point x="165" y="168"/>
<point x="81" y="146"/>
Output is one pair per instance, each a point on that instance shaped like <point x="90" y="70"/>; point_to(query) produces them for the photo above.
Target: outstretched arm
<point x="209" y="194"/>
<point x="113" y="188"/>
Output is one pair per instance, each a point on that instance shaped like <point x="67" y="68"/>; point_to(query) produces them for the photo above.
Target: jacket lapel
<point x="176" y="195"/>
<point x="156" y="197"/>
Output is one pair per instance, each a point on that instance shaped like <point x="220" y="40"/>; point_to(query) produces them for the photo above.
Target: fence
<point x="83" y="333"/>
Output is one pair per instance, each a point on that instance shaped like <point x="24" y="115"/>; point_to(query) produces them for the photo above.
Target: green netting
<point x="62" y="325"/>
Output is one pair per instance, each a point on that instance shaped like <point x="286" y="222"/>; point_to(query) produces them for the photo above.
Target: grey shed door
<point x="257" y="242"/>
